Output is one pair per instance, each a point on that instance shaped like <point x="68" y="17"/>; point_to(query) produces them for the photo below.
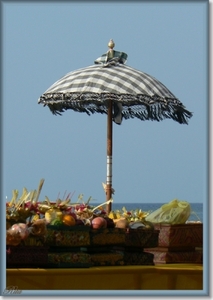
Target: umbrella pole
<point x="109" y="157"/>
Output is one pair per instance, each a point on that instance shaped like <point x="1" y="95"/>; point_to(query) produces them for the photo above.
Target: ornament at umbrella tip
<point x="110" y="53"/>
<point x="111" y="44"/>
<point x="111" y="57"/>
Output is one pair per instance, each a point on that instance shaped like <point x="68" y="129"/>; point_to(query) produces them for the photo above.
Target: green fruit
<point x="56" y="222"/>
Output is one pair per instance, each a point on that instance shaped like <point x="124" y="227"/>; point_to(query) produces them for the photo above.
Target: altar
<point x="157" y="277"/>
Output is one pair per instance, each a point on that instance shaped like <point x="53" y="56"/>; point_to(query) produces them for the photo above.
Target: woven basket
<point x="69" y="260"/>
<point x="180" y="236"/>
<point x="141" y="238"/>
<point x="138" y="258"/>
<point x="162" y="256"/>
<point x="67" y="236"/>
<point x="26" y="256"/>
<point x="107" y="259"/>
<point x="107" y="236"/>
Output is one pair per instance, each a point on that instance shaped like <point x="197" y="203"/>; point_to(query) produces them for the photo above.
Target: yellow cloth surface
<point x="158" y="277"/>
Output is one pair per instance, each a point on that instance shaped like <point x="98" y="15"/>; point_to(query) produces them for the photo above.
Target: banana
<point x="118" y="215"/>
<point x="112" y="215"/>
<point x="34" y="218"/>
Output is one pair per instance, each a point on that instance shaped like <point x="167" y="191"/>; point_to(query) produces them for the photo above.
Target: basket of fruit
<point x="63" y="228"/>
<point x="139" y="233"/>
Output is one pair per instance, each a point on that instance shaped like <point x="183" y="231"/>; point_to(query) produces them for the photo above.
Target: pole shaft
<point x="109" y="157"/>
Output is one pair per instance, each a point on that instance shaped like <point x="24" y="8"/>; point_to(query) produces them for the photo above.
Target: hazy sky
<point x="152" y="161"/>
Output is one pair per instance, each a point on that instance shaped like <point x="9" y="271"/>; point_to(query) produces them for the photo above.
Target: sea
<point x="196" y="208"/>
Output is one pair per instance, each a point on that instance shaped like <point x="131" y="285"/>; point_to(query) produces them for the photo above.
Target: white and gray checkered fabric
<point x="89" y="89"/>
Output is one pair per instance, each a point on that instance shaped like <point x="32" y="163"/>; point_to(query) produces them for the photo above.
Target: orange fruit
<point x="68" y="220"/>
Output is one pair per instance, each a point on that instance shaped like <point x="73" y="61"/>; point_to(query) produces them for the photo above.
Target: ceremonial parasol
<point x="113" y="88"/>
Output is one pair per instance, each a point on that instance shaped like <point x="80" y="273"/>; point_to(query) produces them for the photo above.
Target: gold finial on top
<point x="111" y="44"/>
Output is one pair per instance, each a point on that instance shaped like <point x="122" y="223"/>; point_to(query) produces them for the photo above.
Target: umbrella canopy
<point x="113" y="88"/>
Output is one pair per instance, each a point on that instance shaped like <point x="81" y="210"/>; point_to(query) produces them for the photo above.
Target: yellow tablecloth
<point x="158" y="277"/>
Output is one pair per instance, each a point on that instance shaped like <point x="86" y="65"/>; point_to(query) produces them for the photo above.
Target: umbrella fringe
<point x="142" y="107"/>
<point x="156" y="113"/>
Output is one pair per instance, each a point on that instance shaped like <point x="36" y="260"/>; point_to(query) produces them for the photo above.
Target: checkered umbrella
<point x="113" y="88"/>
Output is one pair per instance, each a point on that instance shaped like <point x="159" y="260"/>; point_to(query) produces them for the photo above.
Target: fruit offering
<point x="133" y="218"/>
<point x="29" y="219"/>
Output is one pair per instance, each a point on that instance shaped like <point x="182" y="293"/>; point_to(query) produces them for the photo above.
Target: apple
<point x="99" y="222"/>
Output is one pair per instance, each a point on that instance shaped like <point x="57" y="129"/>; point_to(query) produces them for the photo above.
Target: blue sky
<point x="152" y="161"/>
